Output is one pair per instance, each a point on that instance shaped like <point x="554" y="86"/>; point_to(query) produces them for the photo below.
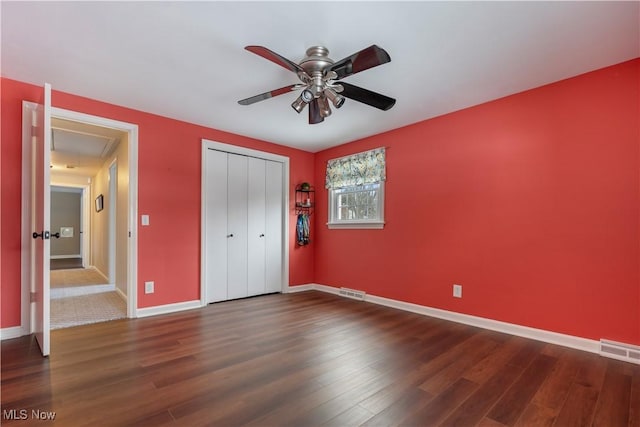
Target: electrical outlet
<point x="457" y="291"/>
<point x="149" y="287"/>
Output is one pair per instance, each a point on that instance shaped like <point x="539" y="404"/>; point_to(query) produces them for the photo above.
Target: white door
<point x="256" y="226"/>
<point x="243" y="202"/>
<point x="237" y="179"/>
<point x="41" y="199"/>
<point x="215" y="237"/>
<point x="273" y="226"/>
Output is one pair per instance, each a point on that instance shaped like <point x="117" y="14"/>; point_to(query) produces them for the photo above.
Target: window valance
<point x="357" y="169"/>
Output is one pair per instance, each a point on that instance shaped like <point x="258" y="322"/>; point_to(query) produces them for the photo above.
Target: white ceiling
<point x="186" y="60"/>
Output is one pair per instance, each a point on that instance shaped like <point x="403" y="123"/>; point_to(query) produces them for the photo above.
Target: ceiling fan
<point x="321" y="79"/>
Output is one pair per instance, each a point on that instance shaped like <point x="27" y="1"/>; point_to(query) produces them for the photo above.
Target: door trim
<point x="27" y="320"/>
<point x="132" y="249"/>
<point x="132" y="261"/>
<point x="112" y="208"/>
<point x="233" y="149"/>
<point x="85" y="206"/>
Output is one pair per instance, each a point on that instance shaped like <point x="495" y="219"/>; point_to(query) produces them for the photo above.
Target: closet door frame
<point x="232" y="149"/>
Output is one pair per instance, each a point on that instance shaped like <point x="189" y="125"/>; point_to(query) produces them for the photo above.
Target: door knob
<point x="230" y="235"/>
<point x="56" y="235"/>
<point x="44" y="235"/>
<point x="262" y="235"/>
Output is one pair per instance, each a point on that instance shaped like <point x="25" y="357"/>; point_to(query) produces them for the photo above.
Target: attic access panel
<point x="83" y="144"/>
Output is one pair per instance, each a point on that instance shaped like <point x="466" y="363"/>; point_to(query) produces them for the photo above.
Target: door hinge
<point x="32" y="297"/>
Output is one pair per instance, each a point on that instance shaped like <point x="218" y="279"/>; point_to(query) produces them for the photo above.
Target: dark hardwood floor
<point x="65" y="263"/>
<point x="310" y="359"/>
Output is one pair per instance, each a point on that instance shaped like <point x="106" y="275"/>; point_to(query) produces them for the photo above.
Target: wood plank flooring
<point x="65" y="263"/>
<point x="310" y="359"/>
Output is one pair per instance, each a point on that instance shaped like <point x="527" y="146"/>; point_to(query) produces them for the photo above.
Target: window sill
<point x="356" y="225"/>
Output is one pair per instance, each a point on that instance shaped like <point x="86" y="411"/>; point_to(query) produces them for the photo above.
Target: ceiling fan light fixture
<point x="307" y="95"/>
<point x="336" y="99"/>
<point x="298" y="104"/>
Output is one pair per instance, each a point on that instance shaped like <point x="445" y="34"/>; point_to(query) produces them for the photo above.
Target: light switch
<point x="145" y="219"/>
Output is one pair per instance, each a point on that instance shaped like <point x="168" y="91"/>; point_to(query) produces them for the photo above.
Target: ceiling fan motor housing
<point x="316" y="61"/>
<point x="314" y="65"/>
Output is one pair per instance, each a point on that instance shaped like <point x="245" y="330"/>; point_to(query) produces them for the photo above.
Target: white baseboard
<point x="97" y="270"/>
<point x="64" y="256"/>
<point x="168" y="308"/>
<point x="74" y="291"/>
<point x="327" y="289"/>
<point x="12" y="332"/>
<point x="301" y="288"/>
<point x="564" y="340"/>
<point x="121" y="294"/>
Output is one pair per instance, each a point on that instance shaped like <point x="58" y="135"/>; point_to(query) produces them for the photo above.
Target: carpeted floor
<point x="83" y="296"/>
<point x="85" y="309"/>
<point x="76" y="277"/>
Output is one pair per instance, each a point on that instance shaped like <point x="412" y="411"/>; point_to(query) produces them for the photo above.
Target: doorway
<point x="89" y="291"/>
<point x="69" y="225"/>
<point x="76" y="164"/>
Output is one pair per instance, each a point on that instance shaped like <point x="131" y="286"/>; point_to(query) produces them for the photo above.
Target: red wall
<point x="531" y="202"/>
<point x="169" y="168"/>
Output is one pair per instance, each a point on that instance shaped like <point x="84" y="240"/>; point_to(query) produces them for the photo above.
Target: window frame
<point x="333" y="223"/>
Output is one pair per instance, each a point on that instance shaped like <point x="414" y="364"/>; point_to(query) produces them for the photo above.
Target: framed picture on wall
<point x="99" y="203"/>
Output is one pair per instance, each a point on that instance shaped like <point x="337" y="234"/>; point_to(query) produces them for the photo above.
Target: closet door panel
<point x="237" y="226"/>
<point x="256" y="226"/>
<point x="273" y="226"/>
<point x="216" y="226"/>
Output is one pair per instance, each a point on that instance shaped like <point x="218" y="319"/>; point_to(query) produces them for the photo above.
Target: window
<point x="356" y="190"/>
<point x="359" y="206"/>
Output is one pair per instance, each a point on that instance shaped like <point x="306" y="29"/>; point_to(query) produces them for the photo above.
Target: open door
<point x="41" y="201"/>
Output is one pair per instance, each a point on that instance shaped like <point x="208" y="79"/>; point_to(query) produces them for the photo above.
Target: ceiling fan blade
<point x="274" y="57"/>
<point x="367" y="97"/>
<point x="314" y="112"/>
<point x="270" y="94"/>
<point x="360" y="61"/>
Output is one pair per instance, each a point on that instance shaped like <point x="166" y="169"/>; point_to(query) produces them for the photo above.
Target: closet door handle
<point x="262" y="235"/>
<point x="229" y="235"/>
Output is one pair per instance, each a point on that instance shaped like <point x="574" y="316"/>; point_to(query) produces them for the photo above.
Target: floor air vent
<point x="350" y="293"/>
<point x="620" y="351"/>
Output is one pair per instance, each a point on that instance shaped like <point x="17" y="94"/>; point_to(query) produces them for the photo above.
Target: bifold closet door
<point x="256" y="226"/>
<point x="273" y="226"/>
<point x="215" y="244"/>
<point x="243" y="229"/>
<point x="237" y="217"/>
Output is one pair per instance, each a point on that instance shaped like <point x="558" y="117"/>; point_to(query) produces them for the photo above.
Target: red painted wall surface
<point x="531" y="202"/>
<point x="169" y="168"/>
